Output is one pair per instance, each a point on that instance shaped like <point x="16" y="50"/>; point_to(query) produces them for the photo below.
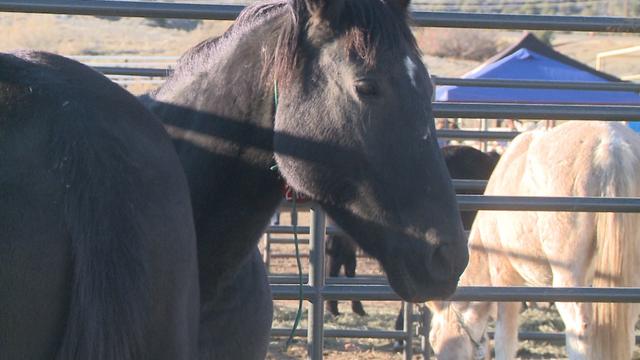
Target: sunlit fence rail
<point x="317" y="289"/>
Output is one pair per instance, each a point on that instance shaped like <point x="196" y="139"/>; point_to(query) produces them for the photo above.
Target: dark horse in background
<point x="463" y="162"/>
<point x="114" y="275"/>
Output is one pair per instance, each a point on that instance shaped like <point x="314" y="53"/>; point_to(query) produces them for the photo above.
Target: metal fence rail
<point x="465" y="293"/>
<point x="438" y="81"/>
<point x="230" y="12"/>
<point x="538" y="84"/>
<point x="555" y="338"/>
<point x="536" y="111"/>
<point x="133" y="71"/>
<point x="476" y="134"/>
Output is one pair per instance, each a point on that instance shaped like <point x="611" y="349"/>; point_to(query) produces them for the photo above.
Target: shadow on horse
<point x="527" y="248"/>
<point x="108" y="252"/>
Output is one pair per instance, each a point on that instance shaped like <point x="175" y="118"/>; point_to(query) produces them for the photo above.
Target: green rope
<point x="294" y="224"/>
<point x="275" y="93"/>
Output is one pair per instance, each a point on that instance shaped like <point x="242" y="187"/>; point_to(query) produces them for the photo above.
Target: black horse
<point x="97" y="241"/>
<point x="352" y="125"/>
<point x="466" y="162"/>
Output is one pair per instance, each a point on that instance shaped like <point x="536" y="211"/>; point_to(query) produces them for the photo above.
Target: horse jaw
<point x="418" y="266"/>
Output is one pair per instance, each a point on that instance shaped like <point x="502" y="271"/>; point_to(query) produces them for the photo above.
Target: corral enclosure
<point x="129" y="38"/>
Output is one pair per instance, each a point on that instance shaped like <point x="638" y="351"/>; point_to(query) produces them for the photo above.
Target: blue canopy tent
<point x="530" y="59"/>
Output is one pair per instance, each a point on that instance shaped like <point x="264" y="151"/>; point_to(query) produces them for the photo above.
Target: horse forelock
<point x="364" y="26"/>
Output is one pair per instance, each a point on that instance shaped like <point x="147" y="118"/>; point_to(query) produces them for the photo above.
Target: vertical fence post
<point x="315" y="334"/>
<point x="425" y="328"/>
<point x="484" y="127"/>
<point x="408" y="329"/>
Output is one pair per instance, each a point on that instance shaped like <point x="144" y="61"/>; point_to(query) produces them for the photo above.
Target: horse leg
<point x="576" y="318"/>
<point x="506" y="338"/>
<point x="398" y="345"/>
<point x="570" y="260"/>
<point x="334" y="266"/>
<point x="507" y="330"/>
<point x="350" y="271"/>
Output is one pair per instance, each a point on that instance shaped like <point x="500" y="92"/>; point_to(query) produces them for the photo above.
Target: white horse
<point x="553" y="248"/>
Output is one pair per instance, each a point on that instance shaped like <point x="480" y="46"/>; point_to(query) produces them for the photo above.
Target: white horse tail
<point x="616" y="252"/>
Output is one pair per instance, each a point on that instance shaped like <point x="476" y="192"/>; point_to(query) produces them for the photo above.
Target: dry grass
<point x="467" y="44"/>
<point x="85" y="35"/>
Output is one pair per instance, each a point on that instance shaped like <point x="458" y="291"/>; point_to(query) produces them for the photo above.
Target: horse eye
<point x="366" y="88"/>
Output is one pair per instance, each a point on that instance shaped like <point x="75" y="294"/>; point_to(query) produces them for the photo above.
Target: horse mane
<point x="365" y="26"/>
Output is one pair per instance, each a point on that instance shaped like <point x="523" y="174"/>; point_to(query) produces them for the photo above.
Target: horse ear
<point x="325" y="10"/>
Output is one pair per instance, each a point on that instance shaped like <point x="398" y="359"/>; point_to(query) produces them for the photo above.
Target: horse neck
<point x="219" y="113"/>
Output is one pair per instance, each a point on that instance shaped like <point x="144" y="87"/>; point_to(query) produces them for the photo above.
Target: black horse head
<point x="353" y="129"/>
<point x="352" y="85"/>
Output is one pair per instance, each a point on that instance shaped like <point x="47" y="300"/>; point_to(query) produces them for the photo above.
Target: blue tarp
<point x="526" y="64"/>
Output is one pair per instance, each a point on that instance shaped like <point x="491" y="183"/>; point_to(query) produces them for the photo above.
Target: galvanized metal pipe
<point x="407" y="323"/>
<point x="124" y="9"/>
<point x="466" y="185"/>
<point x="555" y="338"/>
<point x="132" y="71"/>
<point x="469" y="293"/>
<point x="358" y="280"/>
<point x="533" y="203"/>
<point x="345" y="333"/>
<point x="476" y="134"/>
<point x="535" y="111"/>
<point x="534" y="84"/>
<point x="285" y="229"/>
<point x="548" y="294"/>
<point x="525" y="22"/>
<point x="315" y="337"/>
<point x="438" y="81"/>
<point x="288" y="241"/>
<point x="230" y="12"/>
